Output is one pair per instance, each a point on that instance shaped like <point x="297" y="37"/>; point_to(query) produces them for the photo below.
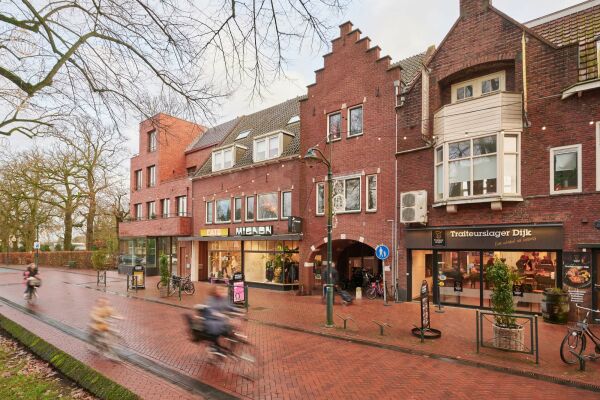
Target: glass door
<point x="459" y="277"/>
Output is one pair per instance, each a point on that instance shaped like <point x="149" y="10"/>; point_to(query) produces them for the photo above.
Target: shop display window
<point x="224" y="259"/>
<point x="273" y="262"/>
<point x="460" y="273"/>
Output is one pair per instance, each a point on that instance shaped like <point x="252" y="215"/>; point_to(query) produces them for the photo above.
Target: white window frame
<point x="152" y="141"/>
<point x="138" y="211"/>
<point x="221" y="154"/>
<point x="139" y="179"/>
<point x="216" y="221"/>
<point x="436" y="164"/>
<point x="152" y="176"/>
<point x="284" y="217"/>
<point x="151" y="209"/>
<point x="567" y="149"/>
<point x="235" y="199"/>
<point x="367" y="194"/>
<point x="209" y="217"/>
<point x="499" y="170"/>
<point x="360" y="198"/>
<point x="267" y="140"/>
<point x="476" y="83"/>
<point x="253" y="209"/>
<point x="317" y="185"/>
<point x="362" y="125"/>
<point x="256" y="212"/>
<point x="165" y="211"/>
<point x="341" y="124"/>
<point x="598" y="140"/>
<point x="180" y="200"/>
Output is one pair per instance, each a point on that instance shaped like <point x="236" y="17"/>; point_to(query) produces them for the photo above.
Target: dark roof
<point x="271" y="119"/>
<point x="411" y="66"/>
<point x="580" y="25"/>
<point x="213" y="136"/>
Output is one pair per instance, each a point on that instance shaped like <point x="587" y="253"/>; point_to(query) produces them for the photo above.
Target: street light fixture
<point x="315" y="155"/>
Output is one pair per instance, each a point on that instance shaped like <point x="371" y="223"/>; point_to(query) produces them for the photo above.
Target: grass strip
<point x="86" y="377"/>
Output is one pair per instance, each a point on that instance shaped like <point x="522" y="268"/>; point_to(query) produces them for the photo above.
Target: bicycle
<point x="175" y="282"/>
<point x="376" y="289"/>
<point x="575" y="341"/>
<point x="31" y="295"/>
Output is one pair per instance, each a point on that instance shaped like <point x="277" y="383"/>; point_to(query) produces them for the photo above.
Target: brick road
<point x="292" y="364"/>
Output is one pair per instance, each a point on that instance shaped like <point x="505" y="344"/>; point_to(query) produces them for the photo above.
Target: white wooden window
<point x="371" y="189"/>
<point x="151" y="209"/>
<point x="267" y="206"/>
<point x="223" y="159"/>
<point x="347" y="194"/>
<point x="334" y="126"/>
<point x="320" y="199"/>
<point x="223" y="211"/>
<point x="565" y="169"/>
<point x="355" y="121"/>
<point x="138" y="179"/>
<point x="286" y="204"/>
<point x="152" y="141"/>
<point x="250" y="208"/>
<point x="209" y="212"/>
<point x="152" y="176"/>
<point x="165" y="205"/>
<point x="598" y="144"/>
<point x="237" y="209"/>
<point x="182" y="206"/>
<point x="480" y="86"/>
<point x="138" y="211"/>
<point x="268" y="147"/>
<point x="439" y="173"/>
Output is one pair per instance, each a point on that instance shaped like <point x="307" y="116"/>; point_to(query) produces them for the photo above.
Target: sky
<point x="400" y="27"/>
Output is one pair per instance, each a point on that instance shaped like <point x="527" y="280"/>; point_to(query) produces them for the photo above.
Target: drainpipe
<point x="395" y="223"/>
<point x="524" y="62"/>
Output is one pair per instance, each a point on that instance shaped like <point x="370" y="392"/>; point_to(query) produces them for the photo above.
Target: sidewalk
<point x="457" y="325"/>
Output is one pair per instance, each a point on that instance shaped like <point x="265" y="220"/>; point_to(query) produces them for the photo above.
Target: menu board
<point x="425" y="321"/>
<point x="577" y="279"/>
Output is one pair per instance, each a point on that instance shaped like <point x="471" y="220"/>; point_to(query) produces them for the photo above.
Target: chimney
<point x="473" y="7"/>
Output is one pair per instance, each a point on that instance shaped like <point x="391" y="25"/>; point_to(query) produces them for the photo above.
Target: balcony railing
<point x="486" y="114"/>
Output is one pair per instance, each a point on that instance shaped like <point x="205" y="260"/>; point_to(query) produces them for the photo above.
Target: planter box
<point x="512" y="339"/>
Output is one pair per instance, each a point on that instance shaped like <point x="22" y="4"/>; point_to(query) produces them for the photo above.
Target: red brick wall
<point x="353" y="74"/>
<point x="487" y="37"/>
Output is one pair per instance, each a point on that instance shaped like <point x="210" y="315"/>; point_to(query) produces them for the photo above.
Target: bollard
<point x="135" y="280"/>
<point x="358" y="293"/>
<point x="128" y="282"/>
<point x="329" y="296"/>
<point x="179" y="286"/>
<point x="246" y="296"/>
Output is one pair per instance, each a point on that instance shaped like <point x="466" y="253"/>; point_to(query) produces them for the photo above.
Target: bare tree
<point x="62" y="57"/>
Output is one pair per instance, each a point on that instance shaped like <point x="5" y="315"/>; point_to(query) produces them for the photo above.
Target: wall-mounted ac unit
<point x="413" y="207"/>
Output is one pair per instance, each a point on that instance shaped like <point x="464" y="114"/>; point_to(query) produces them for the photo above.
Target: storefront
<point x="265" y="258"/>
<point x="454" y="260"/>
<point x="146" y="251"/>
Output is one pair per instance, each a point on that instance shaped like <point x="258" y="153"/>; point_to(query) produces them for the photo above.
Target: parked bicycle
<point x="175" y="282"/>
<point x="575" y="341"/>
<point x="375" y="290"/>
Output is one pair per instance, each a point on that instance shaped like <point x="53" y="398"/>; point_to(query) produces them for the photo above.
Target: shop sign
<point x="266" y="230"/>
<point x="238" y="292"/>
<point x="425" y="322"/>
<point x="523" y="237"/>
<point x="294" y="225"/>
<point x="214" y="232"/>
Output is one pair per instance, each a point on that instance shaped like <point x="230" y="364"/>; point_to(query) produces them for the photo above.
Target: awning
<point x="289" y="236"/>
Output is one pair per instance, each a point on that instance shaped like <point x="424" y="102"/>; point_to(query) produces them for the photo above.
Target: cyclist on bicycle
<point x="30" y="277"/>
<point x="100" y="324"/>
<point x="216" y="321"/>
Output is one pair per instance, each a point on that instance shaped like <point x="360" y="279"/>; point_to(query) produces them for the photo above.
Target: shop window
<point x="320" y="199"/>
<point x="165" y="205"/>
<point x="223" y="211"/>
<point x="138" y="212"/>
<point x="346" y="194"/>
<point x="237" y="209"/>
<point x="473" y="169"/>
<point x="267" y="207"/>
<point x="565" y="169"/>
<point x="286" y="204"/>
<point x="151" y="172"/>
<point x="355" y="121"/>
<point x="271" y="262"/>
<point x="151" y="208"/>
<point x="372" y="193"/>
<point x="138" y="179"/>
<point x="250" y="208"/>
<point x="224" y="259"/>
<point x="152" y="141"/>
<point x="182" y="206"/>
<point x="209" y="212"/>
<point x="334" y="126"/>
<point x="480" y="86"/>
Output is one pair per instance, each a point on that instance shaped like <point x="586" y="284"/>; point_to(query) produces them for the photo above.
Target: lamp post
<point x="315" y="155"/>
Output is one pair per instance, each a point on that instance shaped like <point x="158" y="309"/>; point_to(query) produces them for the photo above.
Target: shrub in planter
<point x="99" y="258"/>
<point x="555" y="306"/>
<point x="508" y="335"/>
<point x="163" y="264"/>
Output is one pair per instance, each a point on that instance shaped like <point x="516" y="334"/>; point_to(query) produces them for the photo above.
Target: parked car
<point x="129" y="259"/>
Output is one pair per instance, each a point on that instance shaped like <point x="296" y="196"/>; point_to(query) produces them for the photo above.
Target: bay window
<point x="320" y="192"/>
<point x="223" y="211"/>
<point x="480" y="86"/>
<point x="346" y="194"/>
<point x="565" y="169"/>
<point x="267" y="206"/>
<point x="473" y="167"/>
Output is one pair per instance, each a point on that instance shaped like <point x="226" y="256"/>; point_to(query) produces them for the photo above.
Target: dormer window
<point x="270" y="146"/>
<point x="477" y="87"/>
<point x="222" y="159"/>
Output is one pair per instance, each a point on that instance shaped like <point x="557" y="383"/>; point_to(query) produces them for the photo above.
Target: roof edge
<point x="562" y="13"/>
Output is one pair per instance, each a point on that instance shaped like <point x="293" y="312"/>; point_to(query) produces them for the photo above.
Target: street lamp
<point x="315" y="155"/>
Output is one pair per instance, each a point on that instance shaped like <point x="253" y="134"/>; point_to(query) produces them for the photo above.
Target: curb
<point x="86" y="377"/>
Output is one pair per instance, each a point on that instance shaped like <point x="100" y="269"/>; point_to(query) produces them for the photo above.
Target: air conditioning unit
<point x="413" y="207"/>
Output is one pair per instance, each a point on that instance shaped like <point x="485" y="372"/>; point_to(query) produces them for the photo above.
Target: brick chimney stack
<point x="473" y="7"/>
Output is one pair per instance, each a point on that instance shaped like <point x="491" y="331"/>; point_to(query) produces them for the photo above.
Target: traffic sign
<point x="36" y="245"/>
<point x="382" y="252"/>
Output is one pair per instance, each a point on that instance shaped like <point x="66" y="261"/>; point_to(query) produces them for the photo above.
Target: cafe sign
<point x="266" y="230"/>
<point x="214" y="232"/>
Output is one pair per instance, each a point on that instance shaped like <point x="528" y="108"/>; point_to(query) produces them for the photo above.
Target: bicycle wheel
<point x="572" y="346"/>
<point x="371" y="293"/>
<point x="189" y="288"/>
<point x="160" y="284"/>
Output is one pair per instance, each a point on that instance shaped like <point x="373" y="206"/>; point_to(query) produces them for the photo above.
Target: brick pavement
<point x="295" y="364"/>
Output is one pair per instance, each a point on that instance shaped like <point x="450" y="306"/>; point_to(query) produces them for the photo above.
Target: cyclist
<point x="100" y="324"/>
<point x="216" y="322"/>
<point x="29" y="276"/>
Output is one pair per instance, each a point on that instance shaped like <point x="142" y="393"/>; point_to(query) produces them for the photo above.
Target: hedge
<point x="83" y="259"/>
<point x="86" y="377"/>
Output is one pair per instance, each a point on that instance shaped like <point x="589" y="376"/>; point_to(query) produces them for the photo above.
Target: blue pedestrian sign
<point x="382" y="252"/>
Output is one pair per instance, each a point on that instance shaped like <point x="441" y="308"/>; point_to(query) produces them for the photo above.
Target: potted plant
<point x="99" y="260"/>
<point x="508" y="335"/>
<point x="269" y="270"/>
<point x="163" y="264"/>
<point x="555" y="306"/>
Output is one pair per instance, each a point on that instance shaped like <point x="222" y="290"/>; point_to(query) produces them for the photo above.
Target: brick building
<point x="500" y="156"/>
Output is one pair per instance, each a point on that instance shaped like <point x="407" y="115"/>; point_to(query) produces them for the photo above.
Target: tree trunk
<point x="68" y="232"/>
<point x="89" y="224"/>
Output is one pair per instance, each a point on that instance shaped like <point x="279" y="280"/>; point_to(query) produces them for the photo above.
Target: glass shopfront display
<point x="138" y="251"/>
<point x="224" y="259"/>
<point x="271" y="262"/>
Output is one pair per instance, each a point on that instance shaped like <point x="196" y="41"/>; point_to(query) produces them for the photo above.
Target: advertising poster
<point x="577" y="279"/>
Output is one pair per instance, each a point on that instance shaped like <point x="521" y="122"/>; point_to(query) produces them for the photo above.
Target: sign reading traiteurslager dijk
<point x="516" y="237"/>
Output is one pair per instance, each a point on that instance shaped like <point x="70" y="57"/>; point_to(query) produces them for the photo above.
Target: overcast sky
<point x="400" y="27"/>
